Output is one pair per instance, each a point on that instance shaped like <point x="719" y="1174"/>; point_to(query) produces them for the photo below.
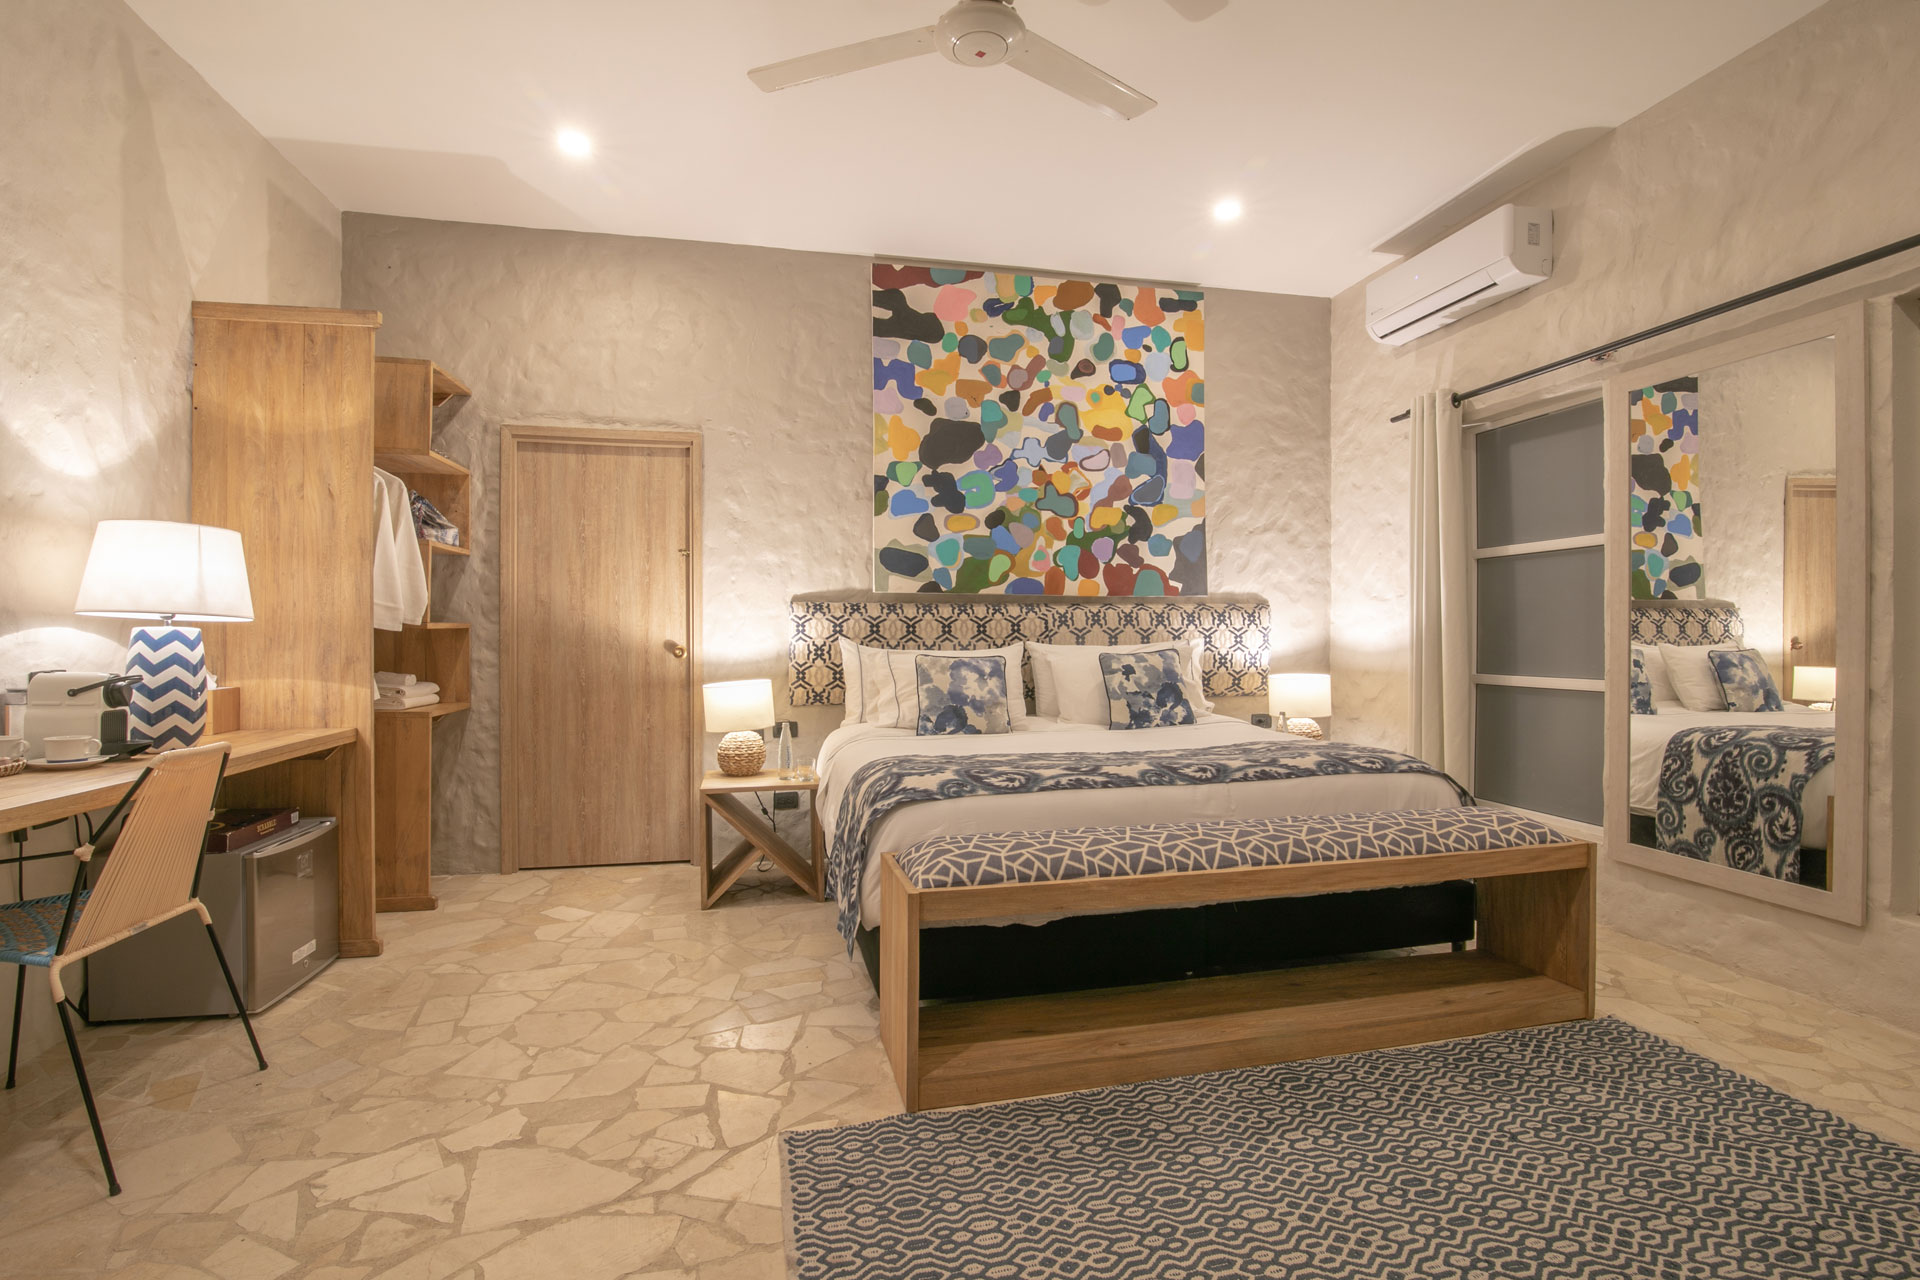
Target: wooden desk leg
<point x="900" y="980"/>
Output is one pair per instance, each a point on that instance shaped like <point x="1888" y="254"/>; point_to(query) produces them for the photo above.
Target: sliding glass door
<point x="1539" y="694"/>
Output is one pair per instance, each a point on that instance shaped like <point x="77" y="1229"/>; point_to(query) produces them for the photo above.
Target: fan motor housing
<point x="980" y="33"/>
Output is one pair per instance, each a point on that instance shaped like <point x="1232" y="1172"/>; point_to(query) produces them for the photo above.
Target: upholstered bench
<point x="1532" y="962"/>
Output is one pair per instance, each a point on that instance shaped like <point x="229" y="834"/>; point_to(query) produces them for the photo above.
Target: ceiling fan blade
<point x="848" y="57"/>
<point x="1196" y="10"/>
<point x="1053" y="66"/>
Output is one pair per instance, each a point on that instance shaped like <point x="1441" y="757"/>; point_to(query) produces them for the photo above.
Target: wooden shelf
<point x="427" y="463"/>
<point x="437" y="626"/>
<point x="431" y="712"/>
<point x="978" y="1050"/>
<point x="446" y="387"/>
<point x="432" y="548"/>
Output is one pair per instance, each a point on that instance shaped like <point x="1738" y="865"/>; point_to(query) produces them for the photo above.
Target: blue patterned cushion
<point x="964" y="693"/>
<point x="1641" y="688"/>
<point x="30" y="930"/>
<point x="1144" y="690"/>
<point x="1745" y="680"/>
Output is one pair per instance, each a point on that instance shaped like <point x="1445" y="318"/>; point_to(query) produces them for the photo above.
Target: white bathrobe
<point x="399" y="576"/>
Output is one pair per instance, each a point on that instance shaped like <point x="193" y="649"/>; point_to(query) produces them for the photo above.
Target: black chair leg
<point x="238" y="1003"/>
<point x="19" y="998"/>
<point x="86" y="1096"/>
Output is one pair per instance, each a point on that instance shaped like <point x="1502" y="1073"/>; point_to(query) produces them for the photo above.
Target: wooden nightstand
<point x="717" y="795"/>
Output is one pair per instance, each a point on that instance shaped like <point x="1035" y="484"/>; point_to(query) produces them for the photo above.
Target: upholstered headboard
<point x="1236" y="630"/>
<point x="1687" y="622"/>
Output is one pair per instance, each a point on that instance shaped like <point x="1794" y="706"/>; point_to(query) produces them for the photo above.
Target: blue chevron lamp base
<point x="169" y="706"/>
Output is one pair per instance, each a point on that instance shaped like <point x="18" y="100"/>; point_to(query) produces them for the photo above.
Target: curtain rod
<point x="1708" y="313"/>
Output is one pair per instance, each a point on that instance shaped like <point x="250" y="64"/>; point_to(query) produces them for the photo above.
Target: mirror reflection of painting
<point x="1733" y="614"/>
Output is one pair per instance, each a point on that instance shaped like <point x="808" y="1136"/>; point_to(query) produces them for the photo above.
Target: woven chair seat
<point x="30" y="930"/>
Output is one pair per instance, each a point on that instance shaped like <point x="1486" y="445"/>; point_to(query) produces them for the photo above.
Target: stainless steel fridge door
<point x="293" y="928"/>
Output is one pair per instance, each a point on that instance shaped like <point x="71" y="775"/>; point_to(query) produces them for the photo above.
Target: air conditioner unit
<point x="1492" y="258"/>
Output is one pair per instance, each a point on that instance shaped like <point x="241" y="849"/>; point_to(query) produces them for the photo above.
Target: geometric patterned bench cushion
<point x="1083" y="853"/>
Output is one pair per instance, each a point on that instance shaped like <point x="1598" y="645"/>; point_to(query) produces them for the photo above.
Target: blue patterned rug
<point x="1588" y="1149"/>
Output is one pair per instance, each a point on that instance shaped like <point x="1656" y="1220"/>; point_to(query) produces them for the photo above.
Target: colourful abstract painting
<point x="1663" y="433"/>
<point x="1036" y="436"/>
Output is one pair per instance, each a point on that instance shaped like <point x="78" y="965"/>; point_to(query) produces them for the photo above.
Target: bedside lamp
<point x="740" y="709"/>
<point x="1815" y="686"/>
<point x="172" y="572"/>
<point x="1297" y="698"/>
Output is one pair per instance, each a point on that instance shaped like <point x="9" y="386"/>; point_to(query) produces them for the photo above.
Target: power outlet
<point x="793" y="728"/>
<point x="786" y="800"/>
<point x="1261" y="720"/>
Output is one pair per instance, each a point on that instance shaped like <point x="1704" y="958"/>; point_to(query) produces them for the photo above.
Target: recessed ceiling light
<point x="573" y="143"/>
<point x="1226" y="209"/>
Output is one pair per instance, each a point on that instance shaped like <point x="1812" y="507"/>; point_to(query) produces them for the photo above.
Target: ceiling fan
<point x="982" y="33"/>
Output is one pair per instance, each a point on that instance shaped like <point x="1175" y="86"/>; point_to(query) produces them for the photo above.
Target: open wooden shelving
<point x="407" y="395"/>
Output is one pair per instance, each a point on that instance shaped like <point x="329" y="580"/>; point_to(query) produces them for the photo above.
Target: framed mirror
<point x="1737" y="615"/>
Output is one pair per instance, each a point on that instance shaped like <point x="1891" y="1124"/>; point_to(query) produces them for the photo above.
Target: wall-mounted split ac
<point x="1492" y="258"/>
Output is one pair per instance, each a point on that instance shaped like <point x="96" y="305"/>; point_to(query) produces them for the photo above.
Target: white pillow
<point x="1046" y="696"/>
<point x="1691" y="671"/>
<point x="887" y="687"/>
<point x="1079" y="688"/>
<point x="1654" y="663"/>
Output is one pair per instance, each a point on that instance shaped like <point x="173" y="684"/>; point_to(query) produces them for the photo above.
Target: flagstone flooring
<point x="576" y="1074"/>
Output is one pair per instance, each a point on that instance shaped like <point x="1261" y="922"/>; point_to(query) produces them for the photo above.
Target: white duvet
<point x="1647" y="748"/>
<point x="850" y="747"/>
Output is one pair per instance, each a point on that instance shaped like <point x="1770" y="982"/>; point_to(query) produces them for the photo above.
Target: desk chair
<point x="152" y="875"/>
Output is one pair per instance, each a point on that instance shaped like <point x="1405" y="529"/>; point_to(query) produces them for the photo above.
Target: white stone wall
<point x="766" y="353"/>
<point x="128" y="189"/>
<point x="1800" y="152"/>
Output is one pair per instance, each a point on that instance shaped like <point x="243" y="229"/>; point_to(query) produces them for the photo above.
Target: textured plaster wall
<point x="127" y="190"/>
<point x="1800" y="152"/>
<point x="1762" y="420"/>
<point x="766" y="353"/>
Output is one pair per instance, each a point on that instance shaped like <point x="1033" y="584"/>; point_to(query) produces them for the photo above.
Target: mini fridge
<point x="275" y="905"/>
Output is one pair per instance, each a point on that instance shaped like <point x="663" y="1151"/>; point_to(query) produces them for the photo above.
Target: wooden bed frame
<point x="1532" y="964"/>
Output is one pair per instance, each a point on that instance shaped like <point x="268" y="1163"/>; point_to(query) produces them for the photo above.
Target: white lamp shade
<point x="163" y="568"/>
<point x="733" y="705"/>
<point x="1300" y="693"/>
<point x="1814" y="684"/>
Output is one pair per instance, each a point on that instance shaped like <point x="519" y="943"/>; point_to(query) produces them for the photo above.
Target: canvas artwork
<point x="1663" y="432"/>
<point x="1036" y="436"/>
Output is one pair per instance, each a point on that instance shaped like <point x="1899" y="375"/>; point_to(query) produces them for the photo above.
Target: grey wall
<point x="1800" y="152"/>
<point x="127" y="190"/>
<point x="766" y="353"/>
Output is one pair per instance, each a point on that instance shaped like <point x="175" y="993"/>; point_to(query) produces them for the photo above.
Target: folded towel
<point x="393" y="677"/>
<point x="404" y="701"/>
<point x="421" y="686"/>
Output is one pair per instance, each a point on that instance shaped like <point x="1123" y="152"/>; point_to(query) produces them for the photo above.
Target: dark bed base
<point x="970" y="962"/>
<point x="1813" y="862"/>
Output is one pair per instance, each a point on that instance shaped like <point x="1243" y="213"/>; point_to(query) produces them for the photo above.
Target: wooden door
<point x="1810" y="560"/>
<point x="599" y="614"/>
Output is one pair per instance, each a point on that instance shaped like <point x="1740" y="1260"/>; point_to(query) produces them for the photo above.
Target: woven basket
<point x="10" y="767"/>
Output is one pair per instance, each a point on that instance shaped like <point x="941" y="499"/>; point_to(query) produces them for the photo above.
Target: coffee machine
<point x="89" y="703"/>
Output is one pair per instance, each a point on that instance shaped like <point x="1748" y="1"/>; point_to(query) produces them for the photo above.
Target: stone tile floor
<point x="577" y="1074"/>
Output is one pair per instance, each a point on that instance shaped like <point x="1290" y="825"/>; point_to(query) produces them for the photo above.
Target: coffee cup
<point x="70" y="747"/>
<point x="13" y="748"/>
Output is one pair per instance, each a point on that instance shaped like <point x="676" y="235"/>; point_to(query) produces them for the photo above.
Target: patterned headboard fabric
<point x="1687" y="622"/>
<point x="1236" y="630"/>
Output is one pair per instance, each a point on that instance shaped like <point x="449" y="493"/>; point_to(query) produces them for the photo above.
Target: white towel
<point x="385" y="678"/>
<point x="404" y="701"/>
<point x="418" y="687"/>
<point x="399" y="574"/>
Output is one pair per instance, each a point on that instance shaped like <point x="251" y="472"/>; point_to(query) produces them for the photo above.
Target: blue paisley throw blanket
<point x="1732" y="795"/>
<point x="883" y="786"/>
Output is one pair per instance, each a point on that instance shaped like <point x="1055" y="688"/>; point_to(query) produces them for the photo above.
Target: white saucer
<point x="86" y="763"/>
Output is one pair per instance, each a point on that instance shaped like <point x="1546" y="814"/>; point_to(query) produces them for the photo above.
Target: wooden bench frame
<point x="1532" y="964"/>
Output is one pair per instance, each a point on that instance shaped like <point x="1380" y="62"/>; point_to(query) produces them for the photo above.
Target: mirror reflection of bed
<point x="1732" y="532"/>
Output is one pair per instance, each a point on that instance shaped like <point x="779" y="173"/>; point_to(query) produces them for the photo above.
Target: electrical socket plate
<point x="786" y="800"/>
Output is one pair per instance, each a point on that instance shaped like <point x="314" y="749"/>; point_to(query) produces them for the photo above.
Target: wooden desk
<point x="302" y="767"/>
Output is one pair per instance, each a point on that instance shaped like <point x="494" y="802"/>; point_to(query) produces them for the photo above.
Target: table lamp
<point x="1297" y="698"/>
<point x="740" y="709"/>
<point x="175" y="573"/>
<point x="1815" y="686"/>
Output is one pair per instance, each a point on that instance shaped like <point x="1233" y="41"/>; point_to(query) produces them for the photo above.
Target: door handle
<point x="677" y="649"/>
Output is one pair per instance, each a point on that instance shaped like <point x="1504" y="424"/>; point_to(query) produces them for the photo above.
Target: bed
<point x="1671" y="745"/>
<point x="1072" y="950"/>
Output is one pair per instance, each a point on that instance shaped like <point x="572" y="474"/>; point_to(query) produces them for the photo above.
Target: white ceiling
<point x="1334" y="121"/>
